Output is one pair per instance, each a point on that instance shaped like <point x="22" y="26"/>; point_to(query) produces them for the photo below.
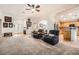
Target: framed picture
<point x="5" y="25"/>
<point x="8" y="19"/>
<point x="10" y="25"/>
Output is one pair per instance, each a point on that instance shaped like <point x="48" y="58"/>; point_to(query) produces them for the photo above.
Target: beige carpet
<point x="26" y="45"/>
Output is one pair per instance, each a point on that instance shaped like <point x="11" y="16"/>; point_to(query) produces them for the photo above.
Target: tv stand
<point x="8" y="34"/>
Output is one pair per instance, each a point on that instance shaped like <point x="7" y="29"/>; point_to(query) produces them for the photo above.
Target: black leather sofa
<point x="52" y="39"/>
<point x="38" y="34"/>
<point x="55" y="32"/>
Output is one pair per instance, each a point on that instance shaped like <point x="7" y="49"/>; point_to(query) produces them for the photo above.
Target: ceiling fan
<point x="33" y="7"/>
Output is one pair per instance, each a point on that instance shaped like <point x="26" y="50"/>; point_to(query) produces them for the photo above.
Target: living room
<point x="39" y="28"/>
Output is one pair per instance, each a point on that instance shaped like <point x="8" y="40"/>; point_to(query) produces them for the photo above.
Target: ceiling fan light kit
<point x="33" y="8"/>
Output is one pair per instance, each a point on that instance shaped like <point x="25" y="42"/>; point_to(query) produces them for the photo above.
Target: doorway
<point x="19" y="28"/>
<point x="0" y="27"/>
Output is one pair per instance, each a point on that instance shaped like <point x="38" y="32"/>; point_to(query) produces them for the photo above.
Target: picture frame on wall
<point x="5" y="25"/>
<point x="10" y="25"/>
<point x="8" y="19"/>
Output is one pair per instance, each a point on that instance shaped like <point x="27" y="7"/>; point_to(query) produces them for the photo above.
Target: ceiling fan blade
<point x="29" y="5"/>
<point x="27" y="9"/>
<point x="33" y="5"/>
<point x="37" y="6"/>
<point x="37" y="10"/>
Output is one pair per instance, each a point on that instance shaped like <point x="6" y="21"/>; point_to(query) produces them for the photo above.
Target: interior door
<point x="18" y="28"/>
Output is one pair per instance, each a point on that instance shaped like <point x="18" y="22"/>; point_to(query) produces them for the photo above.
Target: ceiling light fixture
<point x="33" y="7"/>
<point x="33" y="10"/>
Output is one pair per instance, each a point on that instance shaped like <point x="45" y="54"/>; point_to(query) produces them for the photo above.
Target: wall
<point x="0" y="24"/>
<point x="3" y="30"/>
<point x="20" y="23"/>
<point x="18" y="26"/>
<point x="51" y="21"/>
<point x="0" y="27"/>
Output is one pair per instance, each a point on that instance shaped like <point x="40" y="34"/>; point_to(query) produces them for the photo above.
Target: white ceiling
<point x="46" y="9"/>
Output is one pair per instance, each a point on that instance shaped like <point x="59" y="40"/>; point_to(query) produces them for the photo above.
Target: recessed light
<point x="70" y="14"/>
<point x="62" y="16"/>
<point x="74" y="17"/>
